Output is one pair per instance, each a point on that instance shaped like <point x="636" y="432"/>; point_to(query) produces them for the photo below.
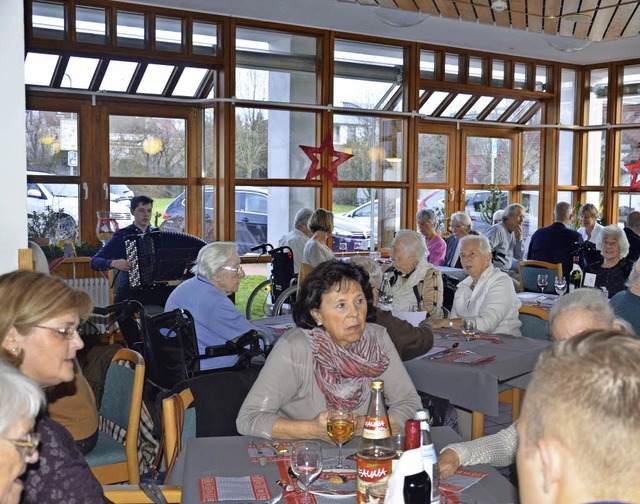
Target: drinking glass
<point x="106" y="226"/>
<point x="543" y="280"/>
<point x="468" y="329"/>
<point x="340" y="426"/>
<point x="343" y="248"/>
<point x="560" y="283"/>
<point x="306" y="463"/>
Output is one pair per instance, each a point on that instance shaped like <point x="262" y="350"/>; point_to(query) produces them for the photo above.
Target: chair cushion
<point x="533" y="327"/>
<point x="107" y="451"/>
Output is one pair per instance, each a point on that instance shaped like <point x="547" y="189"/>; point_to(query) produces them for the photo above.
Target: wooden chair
<point x="178" y="424"/>
<point x="305" y="269"/>
<point x="529" y="270"/>
<point x="110" y="461"/>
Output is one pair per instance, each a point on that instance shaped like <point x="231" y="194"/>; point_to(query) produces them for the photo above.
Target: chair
<point x="305" y="269"/>
<point x="534" y="322"/>
<point x="529" y="271"/>
<point x="216" y="399"/>
<point x="111" y="461"/>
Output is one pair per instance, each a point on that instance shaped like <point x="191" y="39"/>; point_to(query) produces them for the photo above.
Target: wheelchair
<point x="276" y="295"/>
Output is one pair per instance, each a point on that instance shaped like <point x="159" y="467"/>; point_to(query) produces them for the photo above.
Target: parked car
<point x="251" y="220"/>
<point x="121" y="193"/>
<point x="474" y="199"/>
<point x="63" y="199"/>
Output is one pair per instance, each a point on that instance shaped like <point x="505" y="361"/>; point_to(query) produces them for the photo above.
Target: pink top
<point x="437" y="249"/>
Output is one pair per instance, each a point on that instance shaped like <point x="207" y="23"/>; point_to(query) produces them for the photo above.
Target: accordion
<point x="159" y="257"/>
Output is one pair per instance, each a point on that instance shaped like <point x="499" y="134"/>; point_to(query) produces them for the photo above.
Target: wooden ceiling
<point x="598" y="20"/>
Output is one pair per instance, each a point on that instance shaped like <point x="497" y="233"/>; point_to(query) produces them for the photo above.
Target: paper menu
<point x="244" y="488"/>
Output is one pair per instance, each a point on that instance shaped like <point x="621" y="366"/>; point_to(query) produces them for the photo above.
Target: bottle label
<point x="376" y="428"/>
<point x="372" y="479"/>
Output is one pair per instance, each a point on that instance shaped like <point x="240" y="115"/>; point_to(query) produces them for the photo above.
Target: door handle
<point x="452" y="194"/>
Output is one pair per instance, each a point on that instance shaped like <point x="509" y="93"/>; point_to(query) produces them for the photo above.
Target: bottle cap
<point x="422" y="415"/>
<point x="377" y="385"/>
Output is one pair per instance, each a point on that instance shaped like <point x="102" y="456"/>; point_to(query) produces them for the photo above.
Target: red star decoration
<point x="332" y="171"/>
<point x="634" y="168"/>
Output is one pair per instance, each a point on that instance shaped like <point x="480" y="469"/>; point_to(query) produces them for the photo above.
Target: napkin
<point x="411" y="462"/>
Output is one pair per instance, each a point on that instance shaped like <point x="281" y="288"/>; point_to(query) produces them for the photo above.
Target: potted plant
<point x="41" y="226"/>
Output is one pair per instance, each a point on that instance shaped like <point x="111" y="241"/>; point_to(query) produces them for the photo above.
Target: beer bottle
<point x="376" y="450"/>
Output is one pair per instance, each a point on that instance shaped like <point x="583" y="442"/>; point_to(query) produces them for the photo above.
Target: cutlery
<point x="262" y="460"/>
<point x="445" y="352"/>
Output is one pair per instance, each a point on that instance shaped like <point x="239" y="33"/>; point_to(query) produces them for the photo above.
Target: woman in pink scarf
<point x="329" y="359"/>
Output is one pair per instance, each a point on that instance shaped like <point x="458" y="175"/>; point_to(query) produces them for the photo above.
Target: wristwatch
<point x="450" y="323"/>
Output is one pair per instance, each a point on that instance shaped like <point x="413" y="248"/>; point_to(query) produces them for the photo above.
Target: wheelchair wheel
<point x="259" y="303"/>
<point x="284" y="303"/>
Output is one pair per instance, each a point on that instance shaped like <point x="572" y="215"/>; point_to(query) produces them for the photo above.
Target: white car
<point x="63" y="198"/>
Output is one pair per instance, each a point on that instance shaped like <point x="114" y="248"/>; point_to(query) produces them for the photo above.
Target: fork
<point x="262" y="459"/>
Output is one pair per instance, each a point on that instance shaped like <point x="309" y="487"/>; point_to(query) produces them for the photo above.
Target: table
<point x="227" y="456"/>
<point x="457" y="273"/>
<point x="475" y="386"/>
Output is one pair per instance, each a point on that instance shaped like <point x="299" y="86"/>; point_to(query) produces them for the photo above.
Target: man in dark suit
<point x="632" y="230"/>
<point x="555" y="243"/>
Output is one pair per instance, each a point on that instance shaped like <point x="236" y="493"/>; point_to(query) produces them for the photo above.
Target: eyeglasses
<point x="236" y="269"/>
<point x="27" y="445"/>
<point x="64" y="332"/>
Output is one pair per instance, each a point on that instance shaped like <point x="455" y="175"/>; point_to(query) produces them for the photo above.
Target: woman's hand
<point x="448" y="462"/>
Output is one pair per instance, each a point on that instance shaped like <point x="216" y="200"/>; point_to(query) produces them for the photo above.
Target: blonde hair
<point x="585" y="392"/>
<point x="29" y="298"/>
<point x="321" y="220"/>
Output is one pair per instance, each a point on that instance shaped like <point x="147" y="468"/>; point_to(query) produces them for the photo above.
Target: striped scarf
<point x="344" y="374"/>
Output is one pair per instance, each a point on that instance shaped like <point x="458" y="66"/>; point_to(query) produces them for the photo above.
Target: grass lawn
<point x="247" y="285"/>
<point x="159" y="205"/>
<point x="338" y="209"/>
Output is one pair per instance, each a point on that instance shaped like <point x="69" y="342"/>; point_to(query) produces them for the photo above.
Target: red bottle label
<point x="412" y="435"/>
<point x="376" y="428"/>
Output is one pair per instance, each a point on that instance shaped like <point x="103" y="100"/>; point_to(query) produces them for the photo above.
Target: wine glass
<point x="340" y="426"/>
<point x="343" y="248"/>
<point x="560" y="283"/>
<point x="106" y="226"/>
<point x="468" y="329"/>
<point x="306" y="463"/>
<point x="543" y="280"/>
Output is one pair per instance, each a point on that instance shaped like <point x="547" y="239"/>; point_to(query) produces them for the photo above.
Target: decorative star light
<point x="332" y="171"/>
<point x="634" y="170"/>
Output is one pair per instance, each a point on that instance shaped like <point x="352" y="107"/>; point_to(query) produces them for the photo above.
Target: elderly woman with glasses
<point x="39" y="323"/>
<point x="218" y="273"/>
<point x="460" y="227"/>
<point x="20" y="402"/>
<point x="613" y="270"/>
<point x="426" y="219"/>
<point x="329" y="360"/>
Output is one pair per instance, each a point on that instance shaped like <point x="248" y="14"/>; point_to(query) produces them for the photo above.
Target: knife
<point x="262" y="460"/>
<point x="445" y="352"/>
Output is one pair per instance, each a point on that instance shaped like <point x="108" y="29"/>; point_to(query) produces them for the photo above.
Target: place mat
<point x="460" y="356"/>
<point x="492" y="338"/>
<point x="273" y="451"/>
<point x="459" y="481"/>
<point x="244" y="488"/>
<point x="331" y="482"/>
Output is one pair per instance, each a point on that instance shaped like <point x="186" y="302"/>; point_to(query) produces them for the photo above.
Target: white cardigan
<point x="493" y="302"/>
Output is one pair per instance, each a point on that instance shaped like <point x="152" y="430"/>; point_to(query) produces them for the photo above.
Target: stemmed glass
<point x="106" y="226"/>
<point x="343" y="248"/>
<point x="543" y="280"/>
<point x="468" y="329"/>
<point x="306" y="463"/>
<point x="340" y="426"/>
<point x="560" y="283"/>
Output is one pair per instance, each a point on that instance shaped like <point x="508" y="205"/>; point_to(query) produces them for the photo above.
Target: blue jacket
<point x="554" y="244"/>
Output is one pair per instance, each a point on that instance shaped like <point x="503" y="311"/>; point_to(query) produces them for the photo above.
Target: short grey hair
<point x="20" y="397"/>
<point x="371" y="267"/>
<point x="590" y="301"/>
<point x="634" y="276"/>
<point x="411" y="241"/>
<point x="617" y="233"/>
<point x="497" y="215"/>
<point x="302" y="217"/>
<point x="426" y="213"/>
<point x="462" y="219"/>
<point x="483" y="244"/>
<point x="633" y="220"/>
<point x="562" y="211"/>
<point x="212" y="258"/>
<point x="512" y="210"/>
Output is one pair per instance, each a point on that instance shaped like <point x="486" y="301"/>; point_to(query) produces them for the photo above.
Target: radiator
<point x="97" y="288"/>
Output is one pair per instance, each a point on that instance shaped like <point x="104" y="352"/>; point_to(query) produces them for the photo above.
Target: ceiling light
<point x="499" y="5"/>
<point x="398" y="17"/>
<point x="566" y="44"/>
<point x="576" y="18"/>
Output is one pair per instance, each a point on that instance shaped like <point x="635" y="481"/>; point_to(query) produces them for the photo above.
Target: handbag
<point x="450" y="285"/>
<point x="156" y="476"/>
<point x="441" y="411"/>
